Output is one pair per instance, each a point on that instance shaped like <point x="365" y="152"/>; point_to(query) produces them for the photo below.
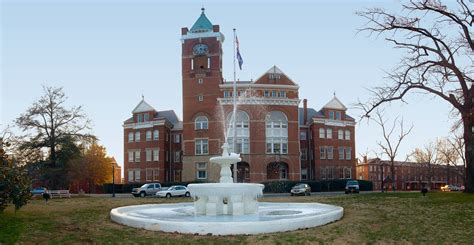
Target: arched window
<point x="242" y="132"/>
<point x="276" y="133"/>
<point x="201" y="122"/>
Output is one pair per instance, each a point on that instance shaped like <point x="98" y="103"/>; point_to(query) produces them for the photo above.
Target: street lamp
<point x="113" y="179"/>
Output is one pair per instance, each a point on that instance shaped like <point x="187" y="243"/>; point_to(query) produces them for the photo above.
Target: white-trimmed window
<point x="177" y="138"/>
<point x="329" y="133"/>
<point x="200" y="80"/>
<point x="347" y="173"/>
<point x="226" y="94"/>
<point x="338" y="115"/>
<point x="274" y="93"/>
<point x="137" y="175"/>
<point x="304" y="154"/>
<point x="330" y="173"/>
<point x="201" y="97"/>
<point x="302" y="135"/>
<point x="323" y="173"/>
<point x="137" y="156"/>
<point x="177" y="156"/>
<point x="322" y="133"/>
<point x="341" y="173"/>
<point x="277" y="146"/>
<point x="322" y="152"/>
<point x="156" y="134"/>
<point x="130" y="137"/>
<point x="340" y="134"/>
<point x="146" y="117"/>
<point x="137" y="136"/>
<point x="130" y="175"/>
<point x="148" y="155"/>
<point x="282" y="94"/>
<point x="156" y="174"/>
<point x="330" y="153"/>
<point x="201" y="122"/>
<point x="130" y="156"/>
<point x="242" y="132"/>
<point x="266" y="93"/>
<point x="140" y="118"/>
<point x="149" y="174"/>
<point x="148" y="135"/>
<point x="331" y="115"/>
<point x="348" y="135"/>
<point x="348" y="153"/>
<point x="202" y="146"/>
<point x="276" y="133"/>
<point x="156" y="155"/>
<point x="341" y="153"/>
<point x="304" y="173"/>
<point x="201" y="170"/>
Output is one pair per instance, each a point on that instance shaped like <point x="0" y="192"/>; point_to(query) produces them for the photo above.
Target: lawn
<point x="368" y="218"/>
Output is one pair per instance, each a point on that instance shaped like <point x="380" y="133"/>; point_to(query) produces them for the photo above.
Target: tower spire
<point x="202" y="10"/>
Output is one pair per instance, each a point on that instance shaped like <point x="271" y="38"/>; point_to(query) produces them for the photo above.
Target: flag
<point x="239" y="57"/>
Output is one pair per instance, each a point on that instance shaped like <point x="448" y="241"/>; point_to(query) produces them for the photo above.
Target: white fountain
<point x="226" y="208"/>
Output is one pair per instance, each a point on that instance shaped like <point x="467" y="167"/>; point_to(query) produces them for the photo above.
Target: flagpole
<point x="234" y="114"/>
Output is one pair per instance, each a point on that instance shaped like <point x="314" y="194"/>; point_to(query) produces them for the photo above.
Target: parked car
<point x="450" y="188"/>
<point x="146" y="190"/>
<point x="38" y="191"/>
<point x="174" y="191"/>
<point x="301" y="189"/>
<point x="352" y="186"/>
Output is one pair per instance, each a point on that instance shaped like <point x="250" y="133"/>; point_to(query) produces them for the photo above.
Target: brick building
<point x="276" y="139"/>
<point x="409" y="175"/>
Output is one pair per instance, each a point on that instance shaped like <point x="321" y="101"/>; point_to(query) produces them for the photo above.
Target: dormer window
<point x="338" y="115"/>
<point x="140" y="118"/>
<point x="266" y="93"/>
<point x="331" y="115"/>
<point x="274" y="76"/>
<point x="146" y="117"/>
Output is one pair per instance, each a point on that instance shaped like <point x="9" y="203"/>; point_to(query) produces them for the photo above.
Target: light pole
<point x="113" y="179"/>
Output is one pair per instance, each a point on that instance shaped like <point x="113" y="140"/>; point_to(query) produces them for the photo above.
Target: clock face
<point x="200" y="49"/>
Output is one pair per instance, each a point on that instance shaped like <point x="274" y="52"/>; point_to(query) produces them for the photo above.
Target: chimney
<point x="184" y="31"/>
<point x="215" y="28"/>
<point x="365" y="159"/>
<point x="305" y="111"/>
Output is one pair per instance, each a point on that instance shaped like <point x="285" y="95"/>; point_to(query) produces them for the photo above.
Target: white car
<point x="174" y="191"/>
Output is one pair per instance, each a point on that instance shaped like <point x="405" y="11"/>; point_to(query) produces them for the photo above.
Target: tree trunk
<point x="392" y="170"/>
<point x="469" y="151"/>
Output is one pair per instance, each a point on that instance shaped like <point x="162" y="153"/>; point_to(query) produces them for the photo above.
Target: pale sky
<point x="106" y="54"/>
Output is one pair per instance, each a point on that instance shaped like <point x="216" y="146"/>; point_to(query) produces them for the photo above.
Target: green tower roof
<point x="202" y="24"/>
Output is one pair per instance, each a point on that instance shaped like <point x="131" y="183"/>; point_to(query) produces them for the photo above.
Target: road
<point x="333" y="193"/>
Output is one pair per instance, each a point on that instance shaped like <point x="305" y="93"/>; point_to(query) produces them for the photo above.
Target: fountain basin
<point x="271" y="217"/>
<point x="225" y="198"/>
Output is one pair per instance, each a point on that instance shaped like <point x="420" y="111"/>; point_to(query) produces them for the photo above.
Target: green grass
<point x="438" y="218"/>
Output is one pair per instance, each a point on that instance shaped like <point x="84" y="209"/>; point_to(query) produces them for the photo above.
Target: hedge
<point x="316" y="186"/>
<point x="278" y="186"/>
<point x="127" y="188"/>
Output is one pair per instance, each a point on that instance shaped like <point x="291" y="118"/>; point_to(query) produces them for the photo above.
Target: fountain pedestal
<point x="225" y="197"/>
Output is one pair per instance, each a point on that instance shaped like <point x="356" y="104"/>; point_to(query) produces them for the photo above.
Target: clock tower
<point x="202" y="74"/>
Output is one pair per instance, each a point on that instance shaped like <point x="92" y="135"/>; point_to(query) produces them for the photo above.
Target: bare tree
<point x="451" y="152"/>
<point x="427" y="157"/>
<point x="438" y="61"/>
<point x="48" y="122"/>
<point x="391" y="140"/>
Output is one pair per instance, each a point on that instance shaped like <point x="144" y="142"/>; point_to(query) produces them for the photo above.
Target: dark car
<point x="301" y="189"/>
<point x="352" y="186"/>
